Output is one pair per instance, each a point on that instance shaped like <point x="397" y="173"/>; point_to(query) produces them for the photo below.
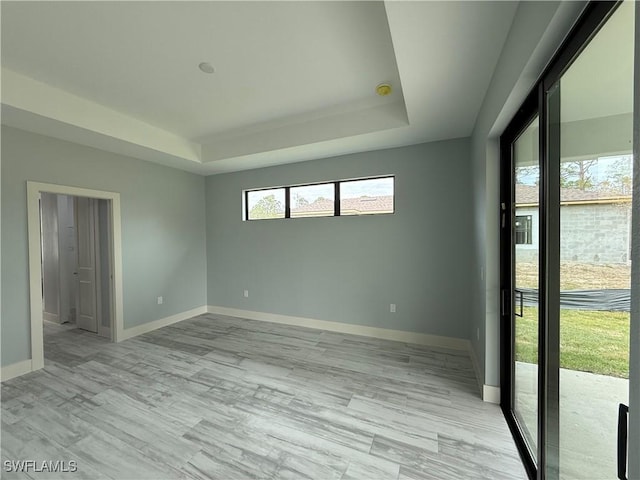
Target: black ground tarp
<point x="611" y="300"/>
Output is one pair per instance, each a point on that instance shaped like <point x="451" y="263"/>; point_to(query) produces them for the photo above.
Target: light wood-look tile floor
<point x="225" y="398"/>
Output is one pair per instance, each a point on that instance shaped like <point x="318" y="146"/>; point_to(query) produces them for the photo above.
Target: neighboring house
<point x="595" y="225"/>
<point x="349" y="206"/>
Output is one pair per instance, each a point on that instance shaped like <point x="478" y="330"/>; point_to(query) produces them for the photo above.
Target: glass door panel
<point x="596" y="121"/>
<point x="525" y="238"/>
<point x="566" y="255"/>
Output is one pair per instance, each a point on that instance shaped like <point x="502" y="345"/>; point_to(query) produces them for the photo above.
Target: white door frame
<point x="35" y="272"/>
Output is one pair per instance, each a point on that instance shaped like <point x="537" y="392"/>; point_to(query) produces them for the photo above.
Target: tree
<point x="577" y="174"/>
<point x="299" y="200"/>
<point x="267" y="207"/>
<point x="529" y="175"/>
<point x="619" y="176"/>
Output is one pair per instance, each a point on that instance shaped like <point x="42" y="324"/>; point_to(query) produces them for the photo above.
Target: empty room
<point x="320" y="239"/>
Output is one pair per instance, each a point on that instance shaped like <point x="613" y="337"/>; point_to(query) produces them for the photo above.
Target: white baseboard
<point x="476" y="368"/>
<point x="16" y="369"/>
<point x="365" y="331"/>
<point x="162" y="322"/>
<point x="491" y="394"/>
<point x="51" y="317"/>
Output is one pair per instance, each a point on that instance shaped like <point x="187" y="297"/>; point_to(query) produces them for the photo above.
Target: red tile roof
<point x="528" y="194"/>
<point x="350" y="206"/>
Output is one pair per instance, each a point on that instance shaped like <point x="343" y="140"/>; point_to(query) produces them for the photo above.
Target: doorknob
<point x="623" y="412"/>
<point x="521" y="293"/>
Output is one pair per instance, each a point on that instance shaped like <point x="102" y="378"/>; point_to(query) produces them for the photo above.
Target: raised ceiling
<point x="293" y="81"/>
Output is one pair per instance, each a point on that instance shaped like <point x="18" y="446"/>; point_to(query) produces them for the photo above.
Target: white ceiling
<point x="294" y="80"/>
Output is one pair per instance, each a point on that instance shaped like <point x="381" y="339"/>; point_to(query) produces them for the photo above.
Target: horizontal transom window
<point x="366" y="196"/>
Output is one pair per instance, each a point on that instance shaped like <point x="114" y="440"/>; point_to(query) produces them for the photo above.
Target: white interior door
<point x="50" y="258"/>
<point x="87" y="299"/>
<point x="68" y="258"/>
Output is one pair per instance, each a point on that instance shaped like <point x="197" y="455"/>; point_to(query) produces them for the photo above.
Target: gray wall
<point x="163" y="233"/>
<point x="349" y="269"/>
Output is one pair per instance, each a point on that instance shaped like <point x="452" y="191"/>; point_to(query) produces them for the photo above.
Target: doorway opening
<point x="75" y="263"/>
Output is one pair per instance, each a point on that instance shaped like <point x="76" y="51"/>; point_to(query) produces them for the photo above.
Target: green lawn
<point x="596" y="342"/>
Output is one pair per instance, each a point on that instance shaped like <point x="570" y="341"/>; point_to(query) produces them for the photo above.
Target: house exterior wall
<point x="596" y="233"/>
<point x="591" y="233"/>
<point x="529" y="252"/>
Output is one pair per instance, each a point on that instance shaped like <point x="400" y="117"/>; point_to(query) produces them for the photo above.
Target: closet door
<point x="87" y="300"/>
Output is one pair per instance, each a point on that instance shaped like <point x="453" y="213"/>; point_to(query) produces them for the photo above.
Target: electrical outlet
<point x="246" y="294"/>
<point x="160" y="300"/>
<point x="392" y="308"/>
<point x="481" y="273"/>
<point x="477" y="334"/>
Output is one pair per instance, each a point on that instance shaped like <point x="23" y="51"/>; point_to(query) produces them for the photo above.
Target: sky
<point x="348" y="189"/>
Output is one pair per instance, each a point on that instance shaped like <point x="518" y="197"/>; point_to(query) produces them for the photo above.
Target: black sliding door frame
<point x="523" y="118"/>
<point x="544" y="101"/>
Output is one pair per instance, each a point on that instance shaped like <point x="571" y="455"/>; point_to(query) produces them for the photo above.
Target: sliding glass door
<point x="593" y="164"/>
<point x="525" y="214"/>
<point x="566" y="266"/>
<point x="521" y="280"/>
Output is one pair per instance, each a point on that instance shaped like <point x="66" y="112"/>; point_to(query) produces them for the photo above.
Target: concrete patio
<point x="588" y="419"/>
